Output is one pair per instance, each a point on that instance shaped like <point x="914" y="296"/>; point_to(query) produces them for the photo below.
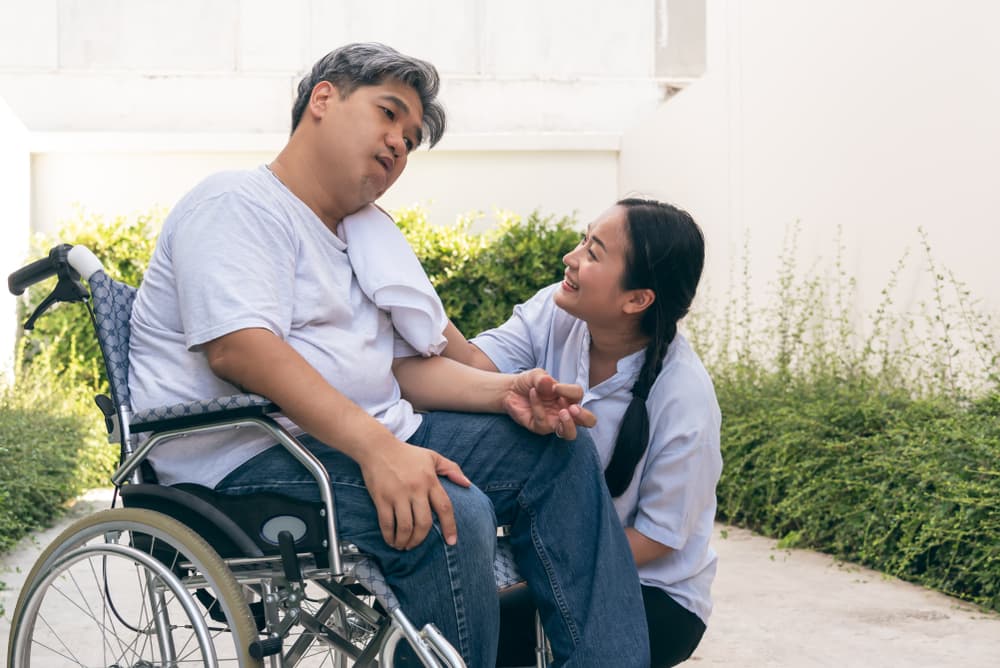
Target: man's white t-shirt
<point x="671" y="498"/>
<point x="241" y="251"/>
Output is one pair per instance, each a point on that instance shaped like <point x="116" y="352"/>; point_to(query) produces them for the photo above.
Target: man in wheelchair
<point x="252" y="288"/>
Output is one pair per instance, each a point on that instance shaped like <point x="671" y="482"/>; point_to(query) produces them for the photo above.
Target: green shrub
<point x="907" y="486"/>
<point x="54" y="447"/>
<point x="481" y="277"/>
<point x="125" y="246"/>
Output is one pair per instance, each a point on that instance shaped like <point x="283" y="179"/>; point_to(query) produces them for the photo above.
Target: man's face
<point x="367" y="137"/>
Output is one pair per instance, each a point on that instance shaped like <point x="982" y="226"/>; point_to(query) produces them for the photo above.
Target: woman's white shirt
<point x="671" y="498"/>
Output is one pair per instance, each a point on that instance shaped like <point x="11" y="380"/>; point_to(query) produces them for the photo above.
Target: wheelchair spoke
<point x="51" y="630"/>
<point x="58" y="653"/>
<point x="87" y="613"/>
<point x="102" y="624"/>
<point x="105" y="618"/>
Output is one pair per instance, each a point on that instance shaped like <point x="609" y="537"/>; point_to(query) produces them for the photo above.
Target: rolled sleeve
<point x="680" y="475"/>
<point x="668" y="493"/>
<point x="517" y="344"/>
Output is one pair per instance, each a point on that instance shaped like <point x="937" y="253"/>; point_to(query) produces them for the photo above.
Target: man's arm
<point x="532" y="398"/>
<point x="460" y="350"/>
<point x="401" y="479"/>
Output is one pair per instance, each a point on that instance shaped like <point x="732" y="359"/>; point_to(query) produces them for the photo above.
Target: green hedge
<point x="873" y="437"/>
<point x="64" y="335"/>
<point x="46" y="459"/>
<point x="908" y="486"/>
<point x="481" y="277"/>
<point x="53" y="448"/>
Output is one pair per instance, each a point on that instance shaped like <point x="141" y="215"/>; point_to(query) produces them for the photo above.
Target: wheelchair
<point x="182" y="575"/>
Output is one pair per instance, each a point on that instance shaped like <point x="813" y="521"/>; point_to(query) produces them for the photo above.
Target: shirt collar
<point x="627" y="370"/>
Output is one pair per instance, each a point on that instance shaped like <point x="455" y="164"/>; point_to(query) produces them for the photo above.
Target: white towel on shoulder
<point x="390" y="274"/>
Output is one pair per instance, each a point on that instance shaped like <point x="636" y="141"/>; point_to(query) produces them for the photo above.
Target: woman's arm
<point x="460" y="350"/>
<point x="644" y="549"/>
<point x="676" y="491"/>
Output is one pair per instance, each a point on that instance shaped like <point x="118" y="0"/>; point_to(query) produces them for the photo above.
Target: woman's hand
<point x="538" y="403"/>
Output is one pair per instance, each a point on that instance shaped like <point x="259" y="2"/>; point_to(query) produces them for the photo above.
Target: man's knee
<point x="474" y="517"/>
<point x="577" y="458"/>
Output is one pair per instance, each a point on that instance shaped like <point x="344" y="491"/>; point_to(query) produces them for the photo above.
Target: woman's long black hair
<point x="666" y="254"/>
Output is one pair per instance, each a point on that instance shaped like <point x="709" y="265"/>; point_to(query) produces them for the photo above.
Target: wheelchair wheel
<point x="117" y="589"/>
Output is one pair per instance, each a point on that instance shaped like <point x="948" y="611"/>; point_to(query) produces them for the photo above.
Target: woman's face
<point x="592" y="289"/>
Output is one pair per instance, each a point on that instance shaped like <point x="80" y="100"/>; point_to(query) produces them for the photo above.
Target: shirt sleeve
<point x="678" y="481"/>
<point x="518" y="344"/>
<point x="234" y="266"/>
<point x="401" y="347"/>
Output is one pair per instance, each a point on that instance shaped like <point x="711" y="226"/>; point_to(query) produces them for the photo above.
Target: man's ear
<point x="639" y="300"/>
<point x="322" y="94"/>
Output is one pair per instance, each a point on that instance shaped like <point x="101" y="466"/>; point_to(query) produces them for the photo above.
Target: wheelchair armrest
<point x="198" y="413"/>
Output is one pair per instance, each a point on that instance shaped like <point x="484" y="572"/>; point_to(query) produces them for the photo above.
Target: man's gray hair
<point x="369" y="64"/>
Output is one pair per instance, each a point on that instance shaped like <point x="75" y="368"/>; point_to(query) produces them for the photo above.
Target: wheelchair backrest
<point x="112" y="303"/>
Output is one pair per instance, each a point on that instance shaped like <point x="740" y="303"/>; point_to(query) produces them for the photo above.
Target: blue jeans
<point x="567" y="540"/>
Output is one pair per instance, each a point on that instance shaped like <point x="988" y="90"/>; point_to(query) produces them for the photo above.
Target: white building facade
<point x="875" y="116"/>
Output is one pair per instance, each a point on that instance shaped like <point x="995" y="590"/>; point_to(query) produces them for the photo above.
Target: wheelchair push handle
<point x="38" y="270"/>
<point x="69" y="263"/>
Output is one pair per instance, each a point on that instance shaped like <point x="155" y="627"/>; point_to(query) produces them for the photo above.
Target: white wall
<point x="14" y="217"/>
<point x="446" y="182"/>
<point x="128" y="102"/>
<point x="875" y="116"/>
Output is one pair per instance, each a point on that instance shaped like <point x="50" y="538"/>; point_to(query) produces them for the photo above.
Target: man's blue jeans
<point x="568" y="542"/>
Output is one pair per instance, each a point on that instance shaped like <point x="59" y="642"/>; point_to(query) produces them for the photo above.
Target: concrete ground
<point x="796" y="608"/>
<point x="773" y="608"/>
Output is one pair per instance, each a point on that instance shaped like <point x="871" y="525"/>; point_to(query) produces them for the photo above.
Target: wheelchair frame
<point x="368" y="623"/>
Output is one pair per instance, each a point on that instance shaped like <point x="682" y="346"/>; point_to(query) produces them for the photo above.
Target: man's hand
<point x="538" y="403"/>
<point x="402" y="480"/>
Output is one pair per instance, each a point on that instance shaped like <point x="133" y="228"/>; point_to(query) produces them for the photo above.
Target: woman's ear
<point x="639" y="300"/>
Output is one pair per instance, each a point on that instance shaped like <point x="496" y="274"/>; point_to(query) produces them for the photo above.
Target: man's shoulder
<point x="253" y="190"/>
<point x="240" y="183"/>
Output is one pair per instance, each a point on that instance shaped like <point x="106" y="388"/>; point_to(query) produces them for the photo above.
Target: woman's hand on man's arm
<point x="532" y="398"/>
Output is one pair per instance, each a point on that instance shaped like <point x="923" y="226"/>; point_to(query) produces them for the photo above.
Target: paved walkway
<point x="799" y="608"/>
<point x="772" y="608"/>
